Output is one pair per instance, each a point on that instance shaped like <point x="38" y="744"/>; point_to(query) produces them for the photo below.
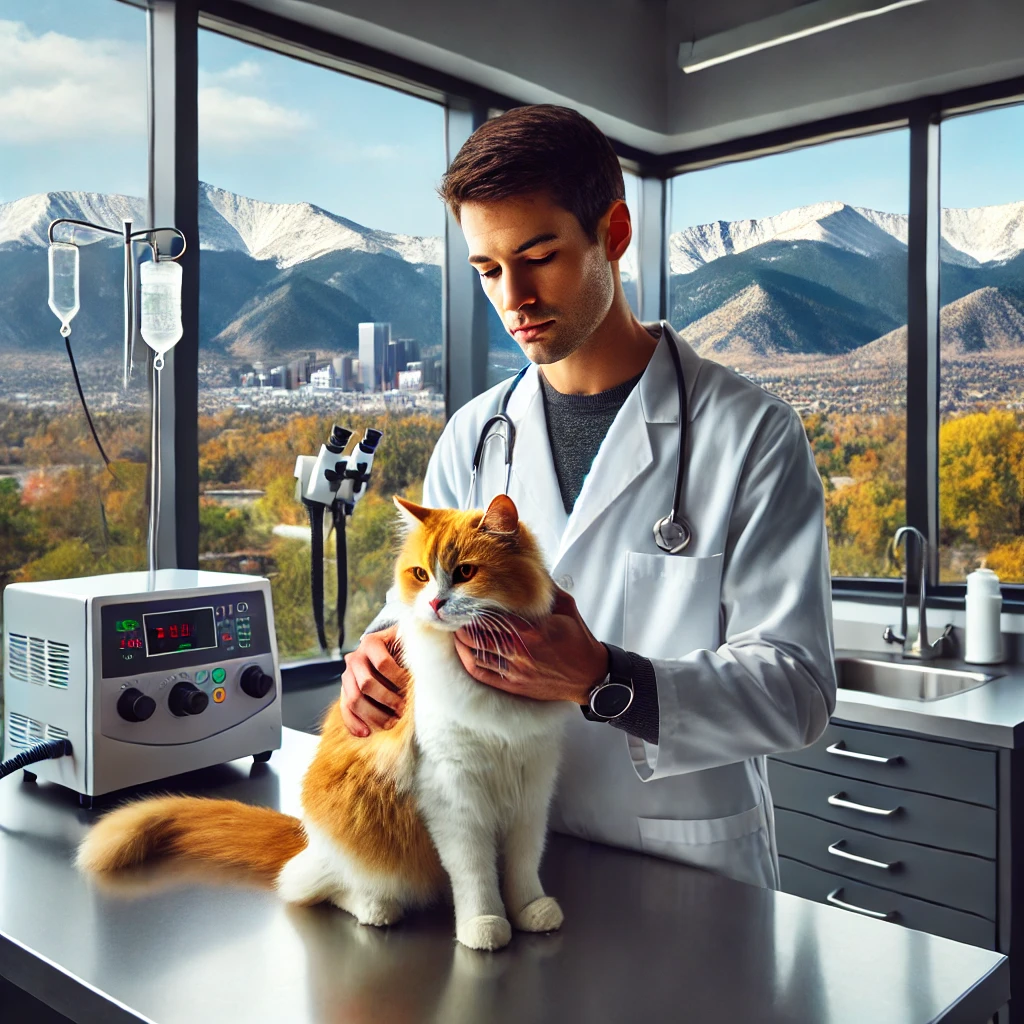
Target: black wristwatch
<point x="613" y="695"/>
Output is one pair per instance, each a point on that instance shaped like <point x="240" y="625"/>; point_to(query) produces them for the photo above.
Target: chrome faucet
<point x="920" y="648"/>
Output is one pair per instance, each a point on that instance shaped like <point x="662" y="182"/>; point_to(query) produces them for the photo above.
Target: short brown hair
<point x="538" y="148"/>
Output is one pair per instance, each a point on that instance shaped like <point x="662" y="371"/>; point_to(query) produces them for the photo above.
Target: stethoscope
<point x="672" y="533"/>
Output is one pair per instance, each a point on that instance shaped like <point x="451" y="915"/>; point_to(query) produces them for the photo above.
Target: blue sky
<point x="72" y="116"/>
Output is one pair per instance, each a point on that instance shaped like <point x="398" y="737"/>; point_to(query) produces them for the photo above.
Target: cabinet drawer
<point x="914" y="817"/>
<point x="943" y="769"/>
<point x="952" y="879"/>
<point x="812" y="884"/>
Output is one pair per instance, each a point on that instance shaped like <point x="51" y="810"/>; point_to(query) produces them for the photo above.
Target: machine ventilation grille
<point x="33" y="660"/>
<point x="24" y="731"/>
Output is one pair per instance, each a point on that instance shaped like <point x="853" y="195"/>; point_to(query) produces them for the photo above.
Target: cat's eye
<point x="464" y="572"/>
<point x="420" y="573"/>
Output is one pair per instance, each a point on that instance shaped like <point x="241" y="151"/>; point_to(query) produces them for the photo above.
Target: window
<point x="73" y="143"/>
<point x="320" y="303"/>
<point x="981" y="343"/>
<point x="792" y="269"/>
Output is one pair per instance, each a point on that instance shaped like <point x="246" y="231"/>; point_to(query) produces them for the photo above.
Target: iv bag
<point x="161" y="304"/>
<point x="63" y="259"/>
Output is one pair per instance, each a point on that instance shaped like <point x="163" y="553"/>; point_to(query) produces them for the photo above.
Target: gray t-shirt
<point x="577" y="424"/>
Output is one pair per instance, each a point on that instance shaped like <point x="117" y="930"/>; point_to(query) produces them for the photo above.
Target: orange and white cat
<point x="462" y="780"/>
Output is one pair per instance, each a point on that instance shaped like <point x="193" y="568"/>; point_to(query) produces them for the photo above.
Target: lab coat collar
<point x="654" y="400"/>
<point x="657" y="386"/>
<point x="534" y="481"/>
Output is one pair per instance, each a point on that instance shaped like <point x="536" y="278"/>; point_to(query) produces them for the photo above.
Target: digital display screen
<point x="192" y="629"/>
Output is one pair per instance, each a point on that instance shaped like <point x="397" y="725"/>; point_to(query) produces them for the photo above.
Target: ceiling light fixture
<point x="804" y="20"/>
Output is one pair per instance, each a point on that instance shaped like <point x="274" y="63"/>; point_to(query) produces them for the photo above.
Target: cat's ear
<point x="501" y="516"/>
<point x="412" y="514"/>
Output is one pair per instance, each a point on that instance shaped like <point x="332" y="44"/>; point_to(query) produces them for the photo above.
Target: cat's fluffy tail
<point x="220" y="831"/>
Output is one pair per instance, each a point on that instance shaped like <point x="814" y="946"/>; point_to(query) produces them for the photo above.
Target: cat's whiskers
<point x="505" y="626"/>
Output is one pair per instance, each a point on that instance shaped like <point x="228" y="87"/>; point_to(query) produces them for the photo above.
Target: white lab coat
<point x="738" y="627"/>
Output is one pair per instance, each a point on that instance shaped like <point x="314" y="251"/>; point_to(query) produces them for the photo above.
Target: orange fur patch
<point x="509" y="567"/>
<point x="222" y="831"/>
<point x="353" y="792"/>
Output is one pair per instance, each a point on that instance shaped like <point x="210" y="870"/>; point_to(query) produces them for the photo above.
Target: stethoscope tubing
<point x="508" y="435"/>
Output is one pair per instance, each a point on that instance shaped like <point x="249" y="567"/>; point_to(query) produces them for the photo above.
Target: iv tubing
<point x="155" y="473"/>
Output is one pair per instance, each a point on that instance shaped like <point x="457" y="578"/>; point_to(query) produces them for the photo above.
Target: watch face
<point x="611" y="700"/>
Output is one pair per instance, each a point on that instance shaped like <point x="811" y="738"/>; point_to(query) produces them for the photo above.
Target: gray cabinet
<point x="901" y="828"/>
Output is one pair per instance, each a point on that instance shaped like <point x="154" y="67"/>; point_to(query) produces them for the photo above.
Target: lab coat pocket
<point x="671" y="604"/>
<point x="737" y="845"/>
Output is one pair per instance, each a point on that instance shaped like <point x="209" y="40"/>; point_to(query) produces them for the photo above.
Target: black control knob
<point x="134" y="706"/>
<point x="255" y="682"/>
<point x="186" y="699"/>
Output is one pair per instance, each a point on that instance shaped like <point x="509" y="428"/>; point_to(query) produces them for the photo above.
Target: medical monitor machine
<point x="143" y="674"/>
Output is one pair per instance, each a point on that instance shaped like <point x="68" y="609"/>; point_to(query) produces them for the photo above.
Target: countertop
<point x="643" y="938"/>
<point x="991" y="714"/>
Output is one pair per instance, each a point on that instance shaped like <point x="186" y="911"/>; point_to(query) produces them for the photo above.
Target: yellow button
<point x="219" y="694"/>
<point x="218" y="675"/>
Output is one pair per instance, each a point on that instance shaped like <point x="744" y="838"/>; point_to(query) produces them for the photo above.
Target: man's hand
<point x="554" y="659"/>
<point x="372" y="678"/>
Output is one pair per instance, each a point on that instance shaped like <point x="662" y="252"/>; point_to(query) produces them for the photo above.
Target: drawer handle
<point x="836" y="852"/>
<point x="839" y="750"/>
<point x="833" y="898"/>
<point x="837" y="800"/>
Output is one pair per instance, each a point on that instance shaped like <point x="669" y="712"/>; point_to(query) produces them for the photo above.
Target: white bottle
<point x="984" y="643"/>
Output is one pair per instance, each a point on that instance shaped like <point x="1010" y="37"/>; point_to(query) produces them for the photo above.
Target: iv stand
<point x="156" y="457"/>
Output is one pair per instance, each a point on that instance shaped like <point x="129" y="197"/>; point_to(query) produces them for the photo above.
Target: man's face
<point x="551" y="285"/>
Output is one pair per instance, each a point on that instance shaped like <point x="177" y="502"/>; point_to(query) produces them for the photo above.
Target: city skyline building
<point x="374" y="341"/>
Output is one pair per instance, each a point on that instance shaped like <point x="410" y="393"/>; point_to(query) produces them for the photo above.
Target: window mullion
<point x="652" y="262"/>
<point x="464" y="304"/>
<point x="923" y="330"/>
<point x="174" y="201"/>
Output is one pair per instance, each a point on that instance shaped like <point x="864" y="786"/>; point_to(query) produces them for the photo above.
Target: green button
<point x="218" y="675"/>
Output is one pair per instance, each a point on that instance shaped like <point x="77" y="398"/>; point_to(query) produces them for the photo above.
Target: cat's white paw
<point x="486" y="931"/>
<point x="541" y="915"/>
<point x="376" y="912"/>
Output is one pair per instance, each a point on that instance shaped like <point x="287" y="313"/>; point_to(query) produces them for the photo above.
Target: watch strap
<point x="620" y="670"/>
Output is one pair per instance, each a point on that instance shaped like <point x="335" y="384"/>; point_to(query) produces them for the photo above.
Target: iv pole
<point x="129" y="237"/>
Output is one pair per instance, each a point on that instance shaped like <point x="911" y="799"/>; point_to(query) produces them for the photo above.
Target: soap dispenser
<point x="984" y="642"/>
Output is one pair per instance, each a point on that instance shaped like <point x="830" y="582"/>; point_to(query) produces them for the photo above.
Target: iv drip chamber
<point x="161" y="305"/>
<point x="63" y="300"/>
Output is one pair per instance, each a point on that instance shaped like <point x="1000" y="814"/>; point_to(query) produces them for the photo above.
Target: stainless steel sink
<point x="906" y="680"/>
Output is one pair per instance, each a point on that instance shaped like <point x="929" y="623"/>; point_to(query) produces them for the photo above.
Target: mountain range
<point x="279" y="279"/>
<point x="830" y="278"/>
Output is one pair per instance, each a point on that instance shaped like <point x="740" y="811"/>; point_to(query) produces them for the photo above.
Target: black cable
<point x="341" y="553"/>
<point x="316" y="565"/>
<point x="85" y="407"/>
<point x="38" y="752"/>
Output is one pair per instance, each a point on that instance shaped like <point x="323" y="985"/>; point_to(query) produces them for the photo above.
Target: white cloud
<point x="54" y="87"/>
<point x="245" y="70"/>
<point x="229" y="118"/>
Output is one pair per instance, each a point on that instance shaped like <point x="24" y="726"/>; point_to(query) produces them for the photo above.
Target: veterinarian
<point x="722" y="653"/>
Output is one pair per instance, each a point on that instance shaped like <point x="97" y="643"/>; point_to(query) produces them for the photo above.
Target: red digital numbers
<point x="130" y="643"/>
<point x="161" y="633"/>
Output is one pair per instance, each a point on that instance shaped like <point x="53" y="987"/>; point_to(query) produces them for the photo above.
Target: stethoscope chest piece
<point x="672" y="535"/>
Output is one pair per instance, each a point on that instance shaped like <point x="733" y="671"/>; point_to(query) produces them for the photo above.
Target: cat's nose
<point x="437" y="602"/>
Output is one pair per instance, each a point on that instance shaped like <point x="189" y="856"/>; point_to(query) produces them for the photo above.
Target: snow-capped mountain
<point x="972" y="238"/>
<point x="287" y="233"/>
<point x="291" y="233"/>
